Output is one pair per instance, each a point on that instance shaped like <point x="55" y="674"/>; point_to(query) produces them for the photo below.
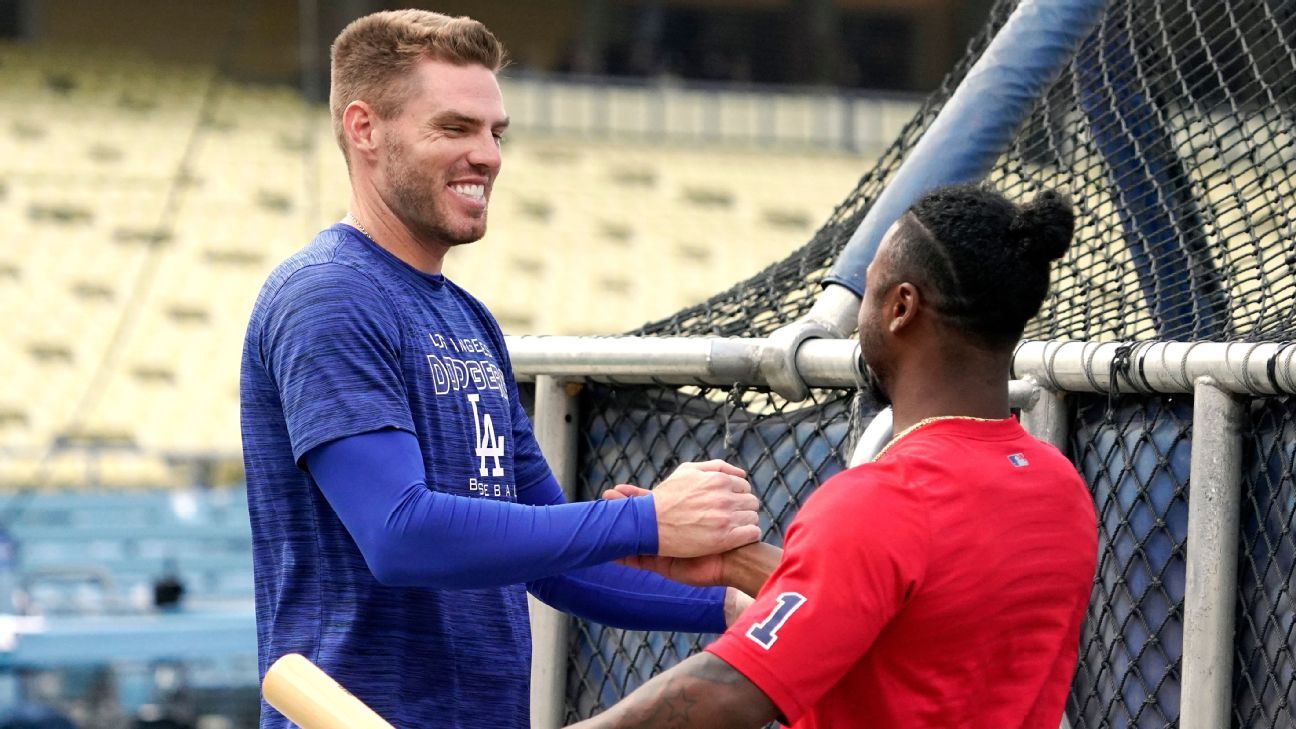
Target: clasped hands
<point x="707" y="531"/>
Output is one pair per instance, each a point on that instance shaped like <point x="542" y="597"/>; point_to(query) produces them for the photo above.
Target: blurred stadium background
<point x="158" y="158"/>
<point x="697" y="164"/>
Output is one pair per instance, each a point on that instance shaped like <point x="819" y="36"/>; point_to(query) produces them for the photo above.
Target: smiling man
<point x="400" y="506"/>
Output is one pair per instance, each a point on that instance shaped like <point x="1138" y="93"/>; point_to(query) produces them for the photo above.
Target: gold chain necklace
<point x="925" y="422"/>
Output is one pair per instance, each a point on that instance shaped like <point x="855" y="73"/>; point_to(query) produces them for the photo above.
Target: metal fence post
<point x="1210" y="589"/>
<point x="1044" y="416"/>
<point x="555" y="430"/>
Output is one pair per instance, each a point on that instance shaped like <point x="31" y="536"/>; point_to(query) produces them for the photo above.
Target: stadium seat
<point x="142" y="261"/>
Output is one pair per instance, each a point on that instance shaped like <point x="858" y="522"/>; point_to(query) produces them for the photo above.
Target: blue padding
<point x="978" y="122"/>
<point x="1163" y="228"/>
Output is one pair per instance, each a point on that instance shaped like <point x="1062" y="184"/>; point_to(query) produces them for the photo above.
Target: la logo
<point x="488" y="444"/>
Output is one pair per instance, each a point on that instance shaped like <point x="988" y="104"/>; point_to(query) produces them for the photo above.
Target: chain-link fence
<point x="1172" y="131"/>
<point x="1264" y="670"/>
<point x="638" y="435"/>
<point x="1133" y="453"/>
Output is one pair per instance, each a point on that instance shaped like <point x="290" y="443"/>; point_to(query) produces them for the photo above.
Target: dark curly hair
<point x="981" y="261"/>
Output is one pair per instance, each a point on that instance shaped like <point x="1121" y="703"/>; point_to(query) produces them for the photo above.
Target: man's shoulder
<point x="330" y="258"/>
<point x="323" y="280"/>
<point x="857" y="489"/>
<point x="330" y="266"/>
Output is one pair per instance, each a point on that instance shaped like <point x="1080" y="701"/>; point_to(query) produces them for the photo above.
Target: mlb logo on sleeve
<point x="1018" y="460"/>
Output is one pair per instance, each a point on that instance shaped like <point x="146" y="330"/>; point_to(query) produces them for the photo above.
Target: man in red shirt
<point x="943" y="584"/>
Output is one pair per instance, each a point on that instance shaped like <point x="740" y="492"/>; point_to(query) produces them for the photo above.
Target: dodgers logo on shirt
<point x="462" y="369"/>
<point x="489" y="445"/>
<point x="452" y="371"/>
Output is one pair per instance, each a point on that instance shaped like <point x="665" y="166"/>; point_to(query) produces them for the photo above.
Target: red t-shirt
<point x="942" y="585"/>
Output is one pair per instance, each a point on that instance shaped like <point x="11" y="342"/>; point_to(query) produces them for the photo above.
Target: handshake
<point x="708" y="530"/>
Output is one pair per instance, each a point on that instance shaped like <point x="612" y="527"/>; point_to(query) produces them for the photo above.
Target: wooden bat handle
<point x="311" y="699"/>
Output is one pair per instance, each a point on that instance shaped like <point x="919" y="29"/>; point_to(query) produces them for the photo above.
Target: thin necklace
<point x="925" y="422"/>
<point x="352" y="221"/>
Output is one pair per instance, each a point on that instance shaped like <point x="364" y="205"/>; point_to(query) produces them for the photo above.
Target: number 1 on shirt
<point x="765" y="633"/>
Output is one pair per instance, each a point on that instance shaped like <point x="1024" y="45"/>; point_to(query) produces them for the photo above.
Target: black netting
<point x="1171" y="130"/>
<point x="638" y="435"/>
<point x="1134" y="454"/>
<point x="1264" y="671"/>
<point x="785" y="290"/>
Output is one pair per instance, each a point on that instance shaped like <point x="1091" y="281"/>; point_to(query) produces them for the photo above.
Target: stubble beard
<point x="874" y="386"/>
<point x="418" y="200"/>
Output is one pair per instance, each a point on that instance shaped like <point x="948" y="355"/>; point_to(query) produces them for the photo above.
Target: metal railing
<point x="697" y="112"/>
<point x="1058" y="388"/>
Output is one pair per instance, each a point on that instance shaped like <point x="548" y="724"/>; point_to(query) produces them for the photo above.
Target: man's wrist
<point x="747" y="568"/>
<point x="646" y="516"/>
<point x="735" y="602"/>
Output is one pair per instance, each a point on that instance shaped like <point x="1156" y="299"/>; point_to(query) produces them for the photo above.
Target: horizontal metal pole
<point x="828" y="363"/>
<point x="1264" y="368"/>
<point x="676" y="360"/>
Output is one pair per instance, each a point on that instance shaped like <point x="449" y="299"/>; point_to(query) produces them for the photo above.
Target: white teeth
<point x="476" y="192"/>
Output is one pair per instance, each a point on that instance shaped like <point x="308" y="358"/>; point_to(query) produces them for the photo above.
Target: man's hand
<point x="704" y="571"/>
<point x="745" y="568"/>
<point x="705" y="508"/>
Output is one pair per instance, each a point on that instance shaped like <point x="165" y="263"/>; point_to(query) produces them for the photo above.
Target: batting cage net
<point x="1172" y="131"/>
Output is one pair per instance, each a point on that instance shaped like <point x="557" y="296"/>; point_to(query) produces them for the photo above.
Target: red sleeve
<point x="853" y="554"/>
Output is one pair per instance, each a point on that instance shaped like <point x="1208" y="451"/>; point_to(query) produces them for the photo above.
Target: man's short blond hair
<point x="373" y="56"/>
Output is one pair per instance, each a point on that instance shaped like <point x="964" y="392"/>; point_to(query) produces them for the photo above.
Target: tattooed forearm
<point x="703" y="691"/>
<point x="669" y="705"/>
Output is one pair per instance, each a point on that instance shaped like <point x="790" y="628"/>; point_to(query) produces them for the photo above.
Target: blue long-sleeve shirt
<point x="411" y="594"/>
<point x="416" y="537"/>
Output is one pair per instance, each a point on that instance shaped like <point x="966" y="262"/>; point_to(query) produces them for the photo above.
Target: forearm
<point x="633" y="599"/>
<point x="747" y="568"/>
<point x="703" y="691"/>
<point x="455" y="542"/>
<point x="413" y="536"/>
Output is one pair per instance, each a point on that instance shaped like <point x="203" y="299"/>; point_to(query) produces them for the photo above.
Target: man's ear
<point x="902" y="306"/>
<point x="358" y="128"/>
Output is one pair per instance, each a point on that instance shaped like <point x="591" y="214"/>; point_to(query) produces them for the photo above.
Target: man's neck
<point x="973" y="390"/>
<point x="380" y="224"/>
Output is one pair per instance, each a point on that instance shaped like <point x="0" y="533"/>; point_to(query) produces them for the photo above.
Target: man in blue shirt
<point x="400" y="505"/>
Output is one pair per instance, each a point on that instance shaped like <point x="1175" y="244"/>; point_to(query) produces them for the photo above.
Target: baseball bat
<point x="311" y="699"/>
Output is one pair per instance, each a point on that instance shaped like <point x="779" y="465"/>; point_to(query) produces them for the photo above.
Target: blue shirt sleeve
<point x="623" y="597"/>
<point x="331" y="345"/>
<point x="412" y="536"/>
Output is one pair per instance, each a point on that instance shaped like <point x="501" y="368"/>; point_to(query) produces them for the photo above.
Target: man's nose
<point x="485" y="151"/>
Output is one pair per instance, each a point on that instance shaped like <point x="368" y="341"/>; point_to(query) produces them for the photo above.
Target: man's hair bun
<point x="1045" y="226"/>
